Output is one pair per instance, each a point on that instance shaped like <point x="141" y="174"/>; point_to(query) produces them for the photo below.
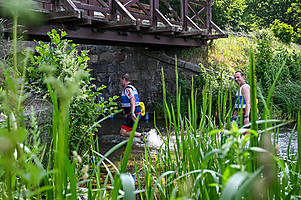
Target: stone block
<point x="93" y="58"/>
<point x="100" y="68"/>
<point x="106" y="57"/>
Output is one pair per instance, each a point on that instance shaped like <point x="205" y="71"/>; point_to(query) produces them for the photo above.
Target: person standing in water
<point x="130" y="104"/>
<point x="242" y="98"/>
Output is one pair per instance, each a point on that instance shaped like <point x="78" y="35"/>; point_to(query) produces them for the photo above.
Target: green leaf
<point x="233" y="185"/>
<point x="128" y="186"/>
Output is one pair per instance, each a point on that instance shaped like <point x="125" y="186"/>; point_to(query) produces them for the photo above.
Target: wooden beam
<point x="202" y="4"/>
<point x="175" y="14"/>
<point x="69" y="5"/>
<point x="124" y="11"/>
<point x="212" y="37"/>
<point x="194" y="25"/>
<point x="63" y="15"/>
<point x="120" y="24"/>
<point x="85" y="35"/>
<point x="215" y="27"/>
<point x="209" y="16"/>
<point x="130" y="3"/>
<point x="104" y="4"/>
<point x="86" y="6"/>
<point x="162" y="18"/>
<point x="190" y="33"/>
<point x="184" y="13"/>
<point x="169" y="30"/>
<point x="141" y="6"/>
<point x="197" y="14"/>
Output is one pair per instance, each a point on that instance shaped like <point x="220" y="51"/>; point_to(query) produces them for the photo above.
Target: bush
<point x="284" y="32"/>
<point x="287" y="97"/>
<point x="268" y="62"/>
<point x="297" y="38"/>
<point x="86" y="108"/>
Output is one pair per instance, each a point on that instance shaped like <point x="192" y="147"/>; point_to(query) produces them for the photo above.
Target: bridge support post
<point x="154" y="5"/>
<point x="184" y="13"/>
<point x="209" y="16"/>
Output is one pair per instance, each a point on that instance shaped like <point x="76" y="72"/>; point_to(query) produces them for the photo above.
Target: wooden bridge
<point x="129" y="22"/>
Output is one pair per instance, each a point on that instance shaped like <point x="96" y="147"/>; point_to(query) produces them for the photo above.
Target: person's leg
<point x="128" y="133"/>
<point x="126" y="128"/>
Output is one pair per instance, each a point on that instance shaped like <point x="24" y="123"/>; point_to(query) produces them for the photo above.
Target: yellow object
<point x="141" y="104"/>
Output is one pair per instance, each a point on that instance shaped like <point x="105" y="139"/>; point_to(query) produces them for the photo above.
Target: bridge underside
<point x="128" y="22"/>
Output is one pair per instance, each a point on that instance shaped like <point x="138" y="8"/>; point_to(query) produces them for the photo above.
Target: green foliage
<point x="287" y="97"/>
<point x="64" y="61"/>
<point x="284" y="32"/>
<point x="185" y="95"/>
<point x="269" y="61"/>
<point x="297" y="38"/>
<point x="229" y="14"/>
<point x="84" y="112"/>
<point x="295" y="11"/>
<point x="263" y="13"/>
<point x="224" y="168"/>
<point x="62" y="55"/>
<point x="249" y="15"/>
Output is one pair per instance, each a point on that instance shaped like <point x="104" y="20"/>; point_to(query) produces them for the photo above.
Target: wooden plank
<point x="141" y="17"/>
<point x="212" y="37"/>
<point x="190" y="33"/>
<point x="120" y="24"/>
<point x="170" y="30"/>
<point x="134" y="10"/>
<point x="62" y="15"/>
<point x="85" y="6"/>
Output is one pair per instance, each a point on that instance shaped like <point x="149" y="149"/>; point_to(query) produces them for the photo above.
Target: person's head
<point x="239" y="77"/>
<point x="125" y="79"/>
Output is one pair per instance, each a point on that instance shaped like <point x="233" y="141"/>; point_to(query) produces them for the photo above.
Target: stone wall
<point x="143" y="65"/>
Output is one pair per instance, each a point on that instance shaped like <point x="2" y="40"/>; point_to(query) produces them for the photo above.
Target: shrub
<point x="284" y="32"/>
<point x="297" y="38"/>
<point x="287" y="97"/>
<point x="88" y="106"/>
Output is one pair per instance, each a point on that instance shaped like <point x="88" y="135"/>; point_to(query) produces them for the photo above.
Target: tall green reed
<point x="220" y="163"/>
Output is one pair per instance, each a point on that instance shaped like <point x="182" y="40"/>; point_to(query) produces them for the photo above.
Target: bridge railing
<point x="195" y="18"/>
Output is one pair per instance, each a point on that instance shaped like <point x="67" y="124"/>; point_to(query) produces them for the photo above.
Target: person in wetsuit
<point x="130" y="104"/>
<point x="242" y="98"/>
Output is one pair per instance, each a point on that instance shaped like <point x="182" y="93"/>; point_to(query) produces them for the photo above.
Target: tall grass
<point x="210" y="163"/>
<point x="198" y="160"/>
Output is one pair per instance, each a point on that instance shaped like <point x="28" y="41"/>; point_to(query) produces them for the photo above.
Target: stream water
<point x="109" y="137"/>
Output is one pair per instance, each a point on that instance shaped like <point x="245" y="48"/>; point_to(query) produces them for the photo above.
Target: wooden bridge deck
<point x="130" y="22"/>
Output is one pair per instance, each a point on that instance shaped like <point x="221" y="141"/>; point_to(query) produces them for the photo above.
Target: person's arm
<point x="246" y="94"/>
<point x="133" y="102"/>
